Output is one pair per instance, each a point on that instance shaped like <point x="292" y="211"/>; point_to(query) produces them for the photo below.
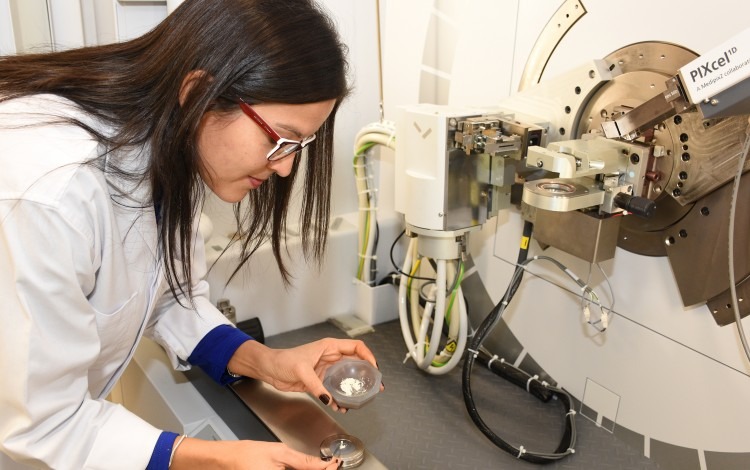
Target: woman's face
<point x="233" y="148"/>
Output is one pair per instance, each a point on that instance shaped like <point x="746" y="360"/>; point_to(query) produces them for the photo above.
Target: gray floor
<point x="420" y="421"/>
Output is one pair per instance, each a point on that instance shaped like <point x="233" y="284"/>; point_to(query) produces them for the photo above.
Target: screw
<point x="635" y="158"/>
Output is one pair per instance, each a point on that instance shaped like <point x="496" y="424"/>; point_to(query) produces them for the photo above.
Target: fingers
<point x="299" y="461"/>
<point x="312" y="383"/>
<point x="352" y="347"/>
<point x="335" y="465"/>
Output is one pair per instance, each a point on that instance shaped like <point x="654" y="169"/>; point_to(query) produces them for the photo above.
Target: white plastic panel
<point x="30" y="25"/>
<point x="135" y="18"/>
<point x="67" y="24"/>
<point x="7" y="42"/>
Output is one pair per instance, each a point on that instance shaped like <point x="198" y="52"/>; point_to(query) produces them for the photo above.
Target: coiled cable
<point x="532" y="384"/>
<point x="425" y="350"/>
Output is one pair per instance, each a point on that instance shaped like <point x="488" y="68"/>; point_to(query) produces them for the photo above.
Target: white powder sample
<point x="352" y="387"/>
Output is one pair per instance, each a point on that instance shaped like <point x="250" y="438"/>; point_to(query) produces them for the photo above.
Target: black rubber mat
<point x="420" y="421"/>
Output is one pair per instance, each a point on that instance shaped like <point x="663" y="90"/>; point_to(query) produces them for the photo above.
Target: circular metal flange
<point x="556" y="187"/>
<point x="348" y="448"/>
<point x="645" y="67"/>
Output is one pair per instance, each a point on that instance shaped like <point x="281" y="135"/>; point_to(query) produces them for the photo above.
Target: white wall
<point x="7" y="43"/>
<point x="25" y="26"/>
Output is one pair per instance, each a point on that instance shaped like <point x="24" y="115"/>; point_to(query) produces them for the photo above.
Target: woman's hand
<point x="244" y="455"/>
<point x="299" y="369"/>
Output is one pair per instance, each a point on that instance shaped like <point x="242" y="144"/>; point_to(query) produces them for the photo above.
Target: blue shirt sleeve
<point x="213" y="352"/>
<point x="162" y="451"/>
<point x="212" y="355"/>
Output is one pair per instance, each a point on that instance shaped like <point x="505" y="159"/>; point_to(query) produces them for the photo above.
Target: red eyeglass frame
<point x="292" y="146"/>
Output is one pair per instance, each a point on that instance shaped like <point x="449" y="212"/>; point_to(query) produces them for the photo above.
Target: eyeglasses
<point x="284" y="147"/>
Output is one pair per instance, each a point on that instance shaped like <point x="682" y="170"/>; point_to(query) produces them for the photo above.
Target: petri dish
<point x="348" y="448"/>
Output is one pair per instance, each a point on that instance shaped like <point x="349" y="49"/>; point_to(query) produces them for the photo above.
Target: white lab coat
<point x="80" y="283"/>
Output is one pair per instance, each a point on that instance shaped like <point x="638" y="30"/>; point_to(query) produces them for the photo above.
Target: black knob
<point x="640" y="206"/>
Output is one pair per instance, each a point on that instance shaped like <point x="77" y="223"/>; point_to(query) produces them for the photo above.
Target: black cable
<point x="373" y="260"/>
<point x="541" y="390"/>
<point x="395" y="266"/>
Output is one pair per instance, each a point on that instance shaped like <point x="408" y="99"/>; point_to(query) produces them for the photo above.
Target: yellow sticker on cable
<point x="451" y="346"/>
<point x="524" y="243"/>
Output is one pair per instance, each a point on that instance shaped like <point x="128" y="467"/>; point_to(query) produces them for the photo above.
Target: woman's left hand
<point x="299" y="369"/>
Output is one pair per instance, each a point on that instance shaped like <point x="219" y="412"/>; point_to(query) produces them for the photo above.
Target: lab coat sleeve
<point x="49" y="340"/>
<point x="213" y="352"/>
<point x="179" y="328"/>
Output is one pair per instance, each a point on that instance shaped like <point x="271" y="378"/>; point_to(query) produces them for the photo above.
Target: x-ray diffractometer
<point x="625" y="154"/>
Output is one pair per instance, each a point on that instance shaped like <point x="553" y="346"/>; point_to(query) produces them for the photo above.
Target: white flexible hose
<point x="402" y="310"/>
<point x="416" y="319"/>
<point x="364" y="212"/>
<point x="379" y="133"/>
<point x="424" y="327"/>
<point x="454" y="325"/>
<point x="379" y="139"/>
<point x="441" y="285"/>
<point x="421" y="325"/>
<point x="384" y="128"/>
<point x="463" y="327"/>
<point x="424" y="360"/>
<point x="454" y="315"/>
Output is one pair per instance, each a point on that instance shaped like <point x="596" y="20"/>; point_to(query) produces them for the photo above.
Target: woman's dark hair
<point x="263" y="51"/>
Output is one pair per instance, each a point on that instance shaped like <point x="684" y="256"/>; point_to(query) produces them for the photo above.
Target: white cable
<point x="453" y="327"/>
<point x="732" y="209"/>
<point x="371" y="236"/>
<point x="402" y="310"/>
<point x="457" y="332"/>
<point x="416" y="318"/>
<point x="424" y="326"/>
<point x="385" y="128"/>
<point x="461" y="345"/>
<point x="421" y="325"/>
<point x="361" y="183"/>
<point x="380" y="139"/>
<point x="379" y="133"/>
<point x="424" y="361"/>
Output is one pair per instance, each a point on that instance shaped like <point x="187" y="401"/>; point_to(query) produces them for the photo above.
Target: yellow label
<point x="451" y="346"/>
<point x="524" y="243"/>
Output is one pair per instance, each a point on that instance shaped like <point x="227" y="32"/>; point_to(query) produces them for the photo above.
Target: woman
<point x="105" y="152"/>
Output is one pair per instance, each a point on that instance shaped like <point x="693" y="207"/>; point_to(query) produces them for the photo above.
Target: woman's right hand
<point x="244" y="455"/>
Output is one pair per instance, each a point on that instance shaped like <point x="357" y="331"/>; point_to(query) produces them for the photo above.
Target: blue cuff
<point x="162" y="451"/>
<point x="213" y="352"/>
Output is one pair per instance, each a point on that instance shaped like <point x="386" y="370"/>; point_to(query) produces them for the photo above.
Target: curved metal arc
<point x="557" y="27"/>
